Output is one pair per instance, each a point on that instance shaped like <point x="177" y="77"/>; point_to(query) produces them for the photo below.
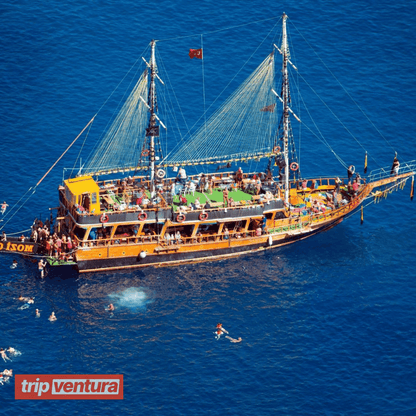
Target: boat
<point x="132" y="205"/>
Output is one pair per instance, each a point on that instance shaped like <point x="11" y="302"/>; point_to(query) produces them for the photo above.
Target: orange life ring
<point x="104" y="218"/>
<point x="142" y="216"/>
<point x="203" y="216"/>
<point x="180" y="217"/>
<point x="276" y="149"/>
<point x="145" y="152"/>
<point x="294" y="166"/>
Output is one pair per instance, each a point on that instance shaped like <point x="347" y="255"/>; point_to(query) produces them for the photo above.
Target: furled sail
<point x="243" y="127"/>
<point x="122" y="143"/>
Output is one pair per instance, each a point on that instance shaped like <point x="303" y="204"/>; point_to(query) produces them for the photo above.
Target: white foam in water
<point x="132" y="298"/>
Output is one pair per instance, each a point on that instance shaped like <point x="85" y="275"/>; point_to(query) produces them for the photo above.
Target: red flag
<point x="269" y="108"/>
<point x="195" y="53"/>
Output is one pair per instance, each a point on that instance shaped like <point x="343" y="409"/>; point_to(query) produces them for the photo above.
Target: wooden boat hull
<point x="181" y="254"/>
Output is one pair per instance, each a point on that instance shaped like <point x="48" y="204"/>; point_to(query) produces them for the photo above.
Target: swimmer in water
<point x="3" y="355"/>
<point x="31" y="301"/>
<point x="24" y="299"/>
<point x="233" y="339"/>
<point x="14" y="264"/>
<point x="37" y="313"/>
<point x="8" y="373"/>
<point x="52" y="317"/>
<point x="220" y="330"/>
<point x="110" y="307"/>
<point x="11" y="350"/>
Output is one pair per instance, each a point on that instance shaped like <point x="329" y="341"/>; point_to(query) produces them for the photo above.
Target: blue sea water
<point x="327" y="324"/>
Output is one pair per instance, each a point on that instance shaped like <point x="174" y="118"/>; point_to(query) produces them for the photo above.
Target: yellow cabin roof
<point x="82" y="184"/>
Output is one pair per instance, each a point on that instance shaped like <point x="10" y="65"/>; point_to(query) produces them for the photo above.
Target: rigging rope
<point x="349" y="95"/>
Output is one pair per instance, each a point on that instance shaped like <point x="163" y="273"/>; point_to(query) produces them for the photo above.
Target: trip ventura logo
<point x="68" y="387"/>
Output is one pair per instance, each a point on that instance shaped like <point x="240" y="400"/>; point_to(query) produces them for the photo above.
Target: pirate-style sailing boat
<point x="150" y="219"/>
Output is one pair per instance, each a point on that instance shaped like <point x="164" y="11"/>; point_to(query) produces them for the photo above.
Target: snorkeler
<point x="3" y="355"/>
<point x="110" y="307"/>
<point x="31" y="301"/>
<point x="52" y="317"/>
<point x="233" y="339"/>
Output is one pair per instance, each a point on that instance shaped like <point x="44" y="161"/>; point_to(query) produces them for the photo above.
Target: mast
<point x="152" y="130"/>
<point x="285" y="93"/>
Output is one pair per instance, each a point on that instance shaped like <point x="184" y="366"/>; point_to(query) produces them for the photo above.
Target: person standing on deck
<point x="225" y="196"/>
<point x="395" y="167"/>
<point x="239" y="178"/>
<point x="350" y="172"/>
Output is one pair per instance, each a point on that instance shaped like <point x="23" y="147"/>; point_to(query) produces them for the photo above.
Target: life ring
<point x="142" y="216"/>
<point x="180" y="217"/>
<point x="145" y="152"/>
<point x="276" y="149"/>
<point x="160" y="173"/>
<point x="104" y="218"/>
<point x="294" y="166"/>
<point x="203" y="216"/>
<point x="351" y="169"/>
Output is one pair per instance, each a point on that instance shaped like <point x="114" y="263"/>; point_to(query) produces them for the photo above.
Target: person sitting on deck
<point x="226" y="233"/>
<point x="197" y="204"/>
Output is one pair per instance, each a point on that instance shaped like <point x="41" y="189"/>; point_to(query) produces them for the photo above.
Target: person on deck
<point x="225" y="197"/>
<point x="350" y="172"/>
<point x="355" y="187"/>
<point x="395" y="167"/>
<point x="337" y="184"/>
<point x="197" y="204"/>
<point x="258" y="186"/>
<point x="239" y="178"/>
<point x="182" y="176"/>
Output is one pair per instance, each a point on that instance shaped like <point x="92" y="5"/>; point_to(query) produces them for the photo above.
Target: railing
<point x="384" y="173"/>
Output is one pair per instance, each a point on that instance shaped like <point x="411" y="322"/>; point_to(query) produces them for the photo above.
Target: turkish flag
<point x="195" y="53"/>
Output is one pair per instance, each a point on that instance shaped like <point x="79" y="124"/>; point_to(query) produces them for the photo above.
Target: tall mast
<point x="285" y="93"/>
<point x="153" y="129"/>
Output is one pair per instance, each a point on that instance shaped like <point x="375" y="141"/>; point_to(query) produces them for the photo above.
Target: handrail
<point x="385" y="172"/>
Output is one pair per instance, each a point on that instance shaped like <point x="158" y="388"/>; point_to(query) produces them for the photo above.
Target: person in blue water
<point x="220" y="330"/>
<point x="239" y="339"/>
<point x="4" y="355"/>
